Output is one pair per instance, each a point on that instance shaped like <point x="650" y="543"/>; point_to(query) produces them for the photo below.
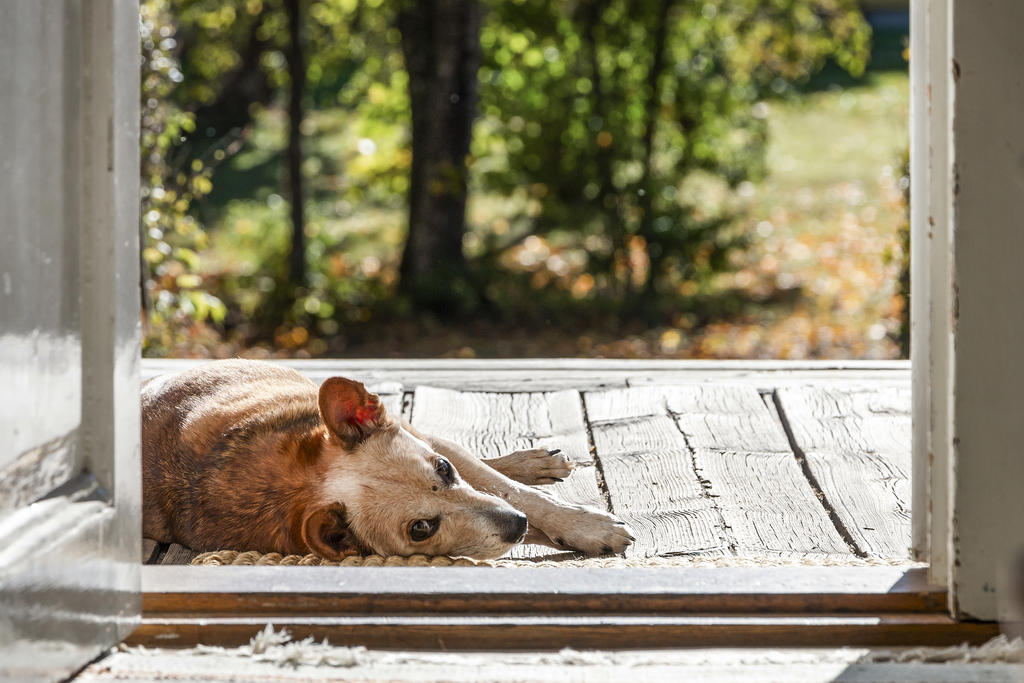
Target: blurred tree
<point x="296" y="92"/>
<point x="175" y="305"/>
<point x="239" y="57"/>
<point x="441" y="45"/>
<point x="597" y="113"/>
<point x="230" y="61"/>
<point x="603" y="109"/>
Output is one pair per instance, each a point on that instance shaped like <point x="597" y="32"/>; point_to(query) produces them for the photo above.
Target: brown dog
<point x="251" y="456"/>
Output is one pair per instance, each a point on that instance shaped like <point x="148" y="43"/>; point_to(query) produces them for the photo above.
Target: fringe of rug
<point x="277" y="647"/>
<point x="253" y="558"/>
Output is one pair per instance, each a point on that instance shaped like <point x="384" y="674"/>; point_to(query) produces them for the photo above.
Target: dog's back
<point x="213" y="439"/>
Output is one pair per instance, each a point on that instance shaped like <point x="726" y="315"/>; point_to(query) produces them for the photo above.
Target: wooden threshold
<point x="548" y="608"/>
<point x="553" y="633"/>
<point x="171" y="590"/>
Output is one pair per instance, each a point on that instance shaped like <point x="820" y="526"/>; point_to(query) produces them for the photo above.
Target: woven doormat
<point x="252" y="558"/>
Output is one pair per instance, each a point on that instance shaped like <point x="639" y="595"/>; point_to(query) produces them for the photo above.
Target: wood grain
<point x="649" y="472"/>
<point x="856" y="440"/>
<point x="492" y="424"/>
<point x="553" y="374"/>
<point x="742" y="453"/>
<point x="228" y="591"/>
<point x="739" y="456"/>
<point x="514" y="632"/>
<point x="178" y="554"/>
<point x="391" y="396"/>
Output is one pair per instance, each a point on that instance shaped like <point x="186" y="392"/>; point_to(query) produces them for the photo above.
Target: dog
<point x="249" y="455"/>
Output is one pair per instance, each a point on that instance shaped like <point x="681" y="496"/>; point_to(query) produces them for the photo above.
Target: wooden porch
<point x="780" y="463"/>
<point x="757" y="469"/>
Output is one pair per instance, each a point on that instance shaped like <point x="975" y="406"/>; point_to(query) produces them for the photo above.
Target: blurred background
<point x="508" y="178"/>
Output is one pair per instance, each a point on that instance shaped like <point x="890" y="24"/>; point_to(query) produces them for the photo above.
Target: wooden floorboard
<point x="649" y="472"/>
<point x="856" y="442"/>
<point x="552" y="374"/>
<point x="493" y="424"/>
<point x="176" y="554"/>
<point x="391" y="396"/>
<point x="743" y="457"/>
<point x="726" y="446"/>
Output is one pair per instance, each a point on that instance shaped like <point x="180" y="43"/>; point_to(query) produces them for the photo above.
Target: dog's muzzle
<point x="512" y="525"/>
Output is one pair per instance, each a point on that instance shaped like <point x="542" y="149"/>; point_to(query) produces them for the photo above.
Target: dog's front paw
<point x="590" y="531"/>
<point x="535" y="466"/>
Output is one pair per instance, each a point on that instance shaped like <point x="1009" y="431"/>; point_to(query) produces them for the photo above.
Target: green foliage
<point x="602" y="125"/>
<point x="250" y="271"/>
<point x="232" y="55"/>
<point x="176" y="303"/>
<point x="211" y="69"/>
<point x="600" y="112"/>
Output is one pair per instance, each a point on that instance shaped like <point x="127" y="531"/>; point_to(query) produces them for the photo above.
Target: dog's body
<point x="252" y="456"/>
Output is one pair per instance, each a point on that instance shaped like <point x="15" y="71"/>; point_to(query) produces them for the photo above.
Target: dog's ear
<point x="350" y="412"/>
<point x="325" y="533"/>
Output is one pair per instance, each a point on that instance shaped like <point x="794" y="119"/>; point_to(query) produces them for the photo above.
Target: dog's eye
<point x="445" y="470"/>
<point x="422" y="529"/>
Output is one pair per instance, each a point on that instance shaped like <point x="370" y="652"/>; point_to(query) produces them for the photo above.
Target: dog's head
<point x="386" y="490"/>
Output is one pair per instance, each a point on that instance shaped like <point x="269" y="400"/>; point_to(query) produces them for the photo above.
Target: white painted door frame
<point x="70" y="480"/>
<point x="967" y="305"/>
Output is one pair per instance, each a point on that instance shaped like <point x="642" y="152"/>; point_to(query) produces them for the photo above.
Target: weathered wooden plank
<point x="856" y="441"/>
<point x="725" y="417"/>
<point x="270" y="591"/>
<point x="149" y="548"/>
<point x="741" y="452"/>
<point x="738" y="454"/>
<point x="649" y="472"/>
<point x="178" y="554"/>
<point x="391" y="396"/>
<point x="493" y="424"/>
<point x="554" y="374"/>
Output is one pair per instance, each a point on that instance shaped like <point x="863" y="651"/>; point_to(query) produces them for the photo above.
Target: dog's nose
<point x="513" y="526"/>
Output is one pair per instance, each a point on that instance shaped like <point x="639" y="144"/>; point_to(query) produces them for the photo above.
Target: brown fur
<point x="252" y="456"/>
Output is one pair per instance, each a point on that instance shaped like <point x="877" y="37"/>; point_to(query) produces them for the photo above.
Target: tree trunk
<point x="296" y="90"/>
<point x="655" y="250"/>
<point x="441" y="45"/>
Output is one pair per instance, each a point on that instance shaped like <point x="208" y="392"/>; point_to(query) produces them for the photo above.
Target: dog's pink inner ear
<point x="325" y="533"/>
<point x="349" y="410"/>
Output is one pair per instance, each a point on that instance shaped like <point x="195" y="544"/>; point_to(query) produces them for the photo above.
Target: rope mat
<point x="253" y="558"/>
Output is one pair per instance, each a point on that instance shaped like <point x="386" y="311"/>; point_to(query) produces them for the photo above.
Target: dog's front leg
<point x="535" y="466"/>
<point x="552" y="522"/>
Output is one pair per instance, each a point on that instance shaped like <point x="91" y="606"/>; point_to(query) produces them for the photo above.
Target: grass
<point x="826" y="220"/>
